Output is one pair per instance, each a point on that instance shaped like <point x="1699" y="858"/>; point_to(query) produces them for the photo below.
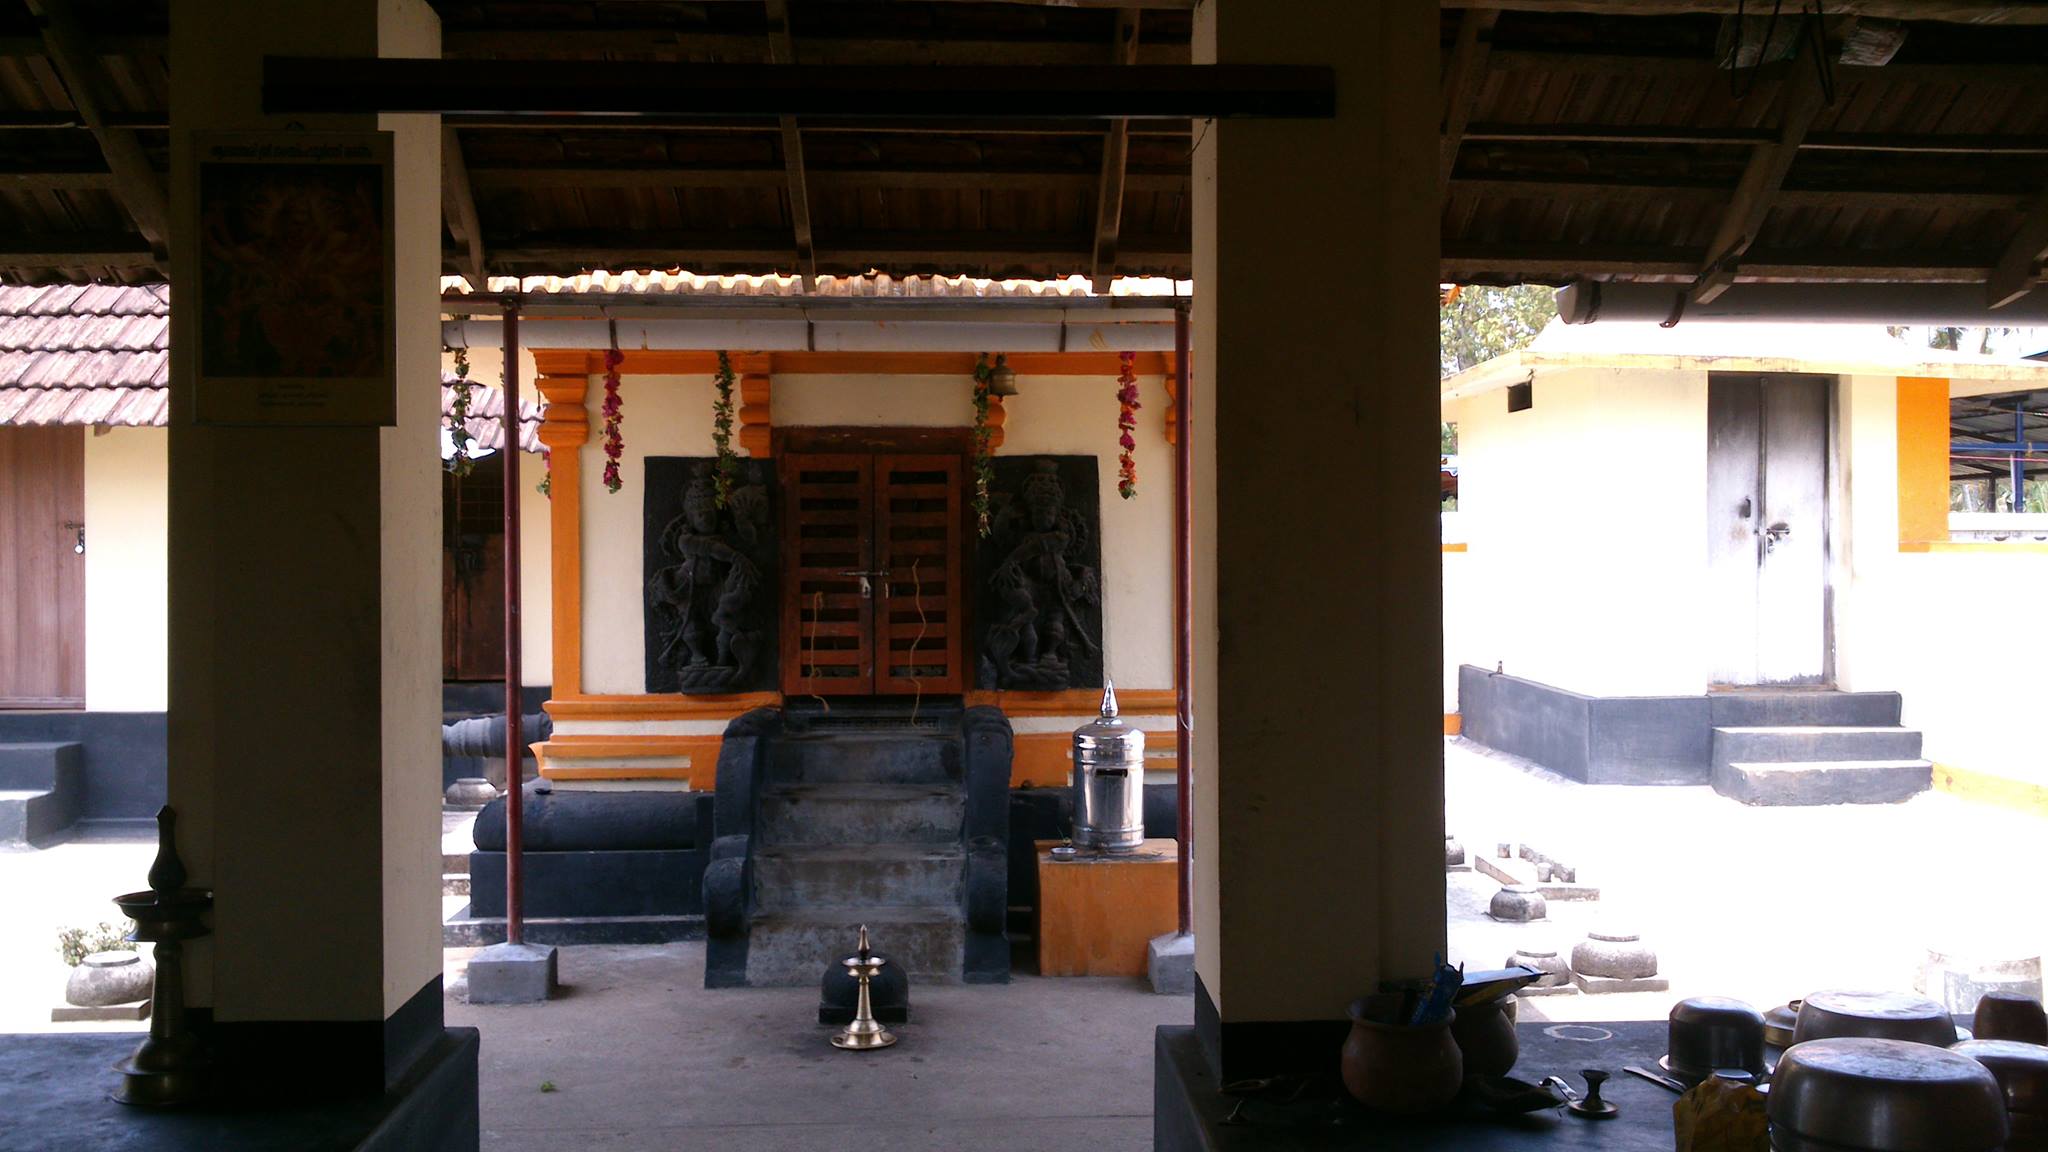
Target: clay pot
<point x="104" y="979"/>
<point x="2011" y="1016"/>
<point x="1400" y="1069"/>
<point x="1486" y="1037"/>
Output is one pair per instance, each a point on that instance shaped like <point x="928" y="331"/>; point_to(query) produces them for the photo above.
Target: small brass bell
<point x="1002" y="379"/>
<point x="864" y="1032"/>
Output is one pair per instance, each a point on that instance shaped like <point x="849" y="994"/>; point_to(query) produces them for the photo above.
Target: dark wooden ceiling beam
<point x="144" y="44"/>
<point x="1165" y="128"/>
<point x="2019" y="267"/>
<point x="878" y="51"/>
<point x="1116" y="151"/>
<point x="1684" y="71"/>
<point x="56" y="181"/>
<point x="1579" y="190"/>
<point x="768" y="250"/>
<point x="1942" y="11"/>
<point x="1467" y="262"/>
<point x="2003" y="144"/>
<point x="307" y="85"/>
<point x="136" y="184"/>
<point x="782" y="50"/>
<point x="75" y="250"/>
<point x="458" y="210"/>
<point x="1769" y="164"/>
<point x="863" y="179"/>
<point x="1462" y="81"/>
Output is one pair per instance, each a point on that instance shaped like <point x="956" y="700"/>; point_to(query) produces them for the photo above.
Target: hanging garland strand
<point x="1126" y="421"/>
<point x="614" y="440"/>
<point x="546" y="487"/>
<point x="983" y="469"/>
<point x="458" y="418"/>
<point x="721" y="430"/>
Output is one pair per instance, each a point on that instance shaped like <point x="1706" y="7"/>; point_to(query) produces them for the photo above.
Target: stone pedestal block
<point x="1518" y="903"/>
<point x="512" y="974"/>
<point x="1170" y="964"/>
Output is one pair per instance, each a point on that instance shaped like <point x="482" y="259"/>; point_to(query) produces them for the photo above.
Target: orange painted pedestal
<point x="1097" y="912"/>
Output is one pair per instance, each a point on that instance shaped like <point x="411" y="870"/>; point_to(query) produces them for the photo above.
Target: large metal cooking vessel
<point x="1860" y="1095"/>
<point x="2022" y="1074"/>
<point x="1708" y="1033"/>
<point x="1876" y="1015"/>
<point x="1109" y="781"/>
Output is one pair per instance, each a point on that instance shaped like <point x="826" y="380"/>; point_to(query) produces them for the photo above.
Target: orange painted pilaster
<point x="565" y="429"/>
<point x="755" y="415"/>
<point x="1923" y="462"/>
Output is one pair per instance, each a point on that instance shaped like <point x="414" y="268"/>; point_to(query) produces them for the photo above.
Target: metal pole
<point x="515" y="927"/>
<point x="1183" y="611"/>
<point x="2019" y="467"/>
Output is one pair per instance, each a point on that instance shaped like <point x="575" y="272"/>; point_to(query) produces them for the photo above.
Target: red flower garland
<point x="1126" y="421"/>
<point x="614" y="443"/>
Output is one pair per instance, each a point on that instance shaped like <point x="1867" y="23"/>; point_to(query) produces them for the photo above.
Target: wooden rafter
<point x="615" y="249"/>
<point x="936" y="179"/>
<point x="1462" y="82"/>
<point x="1581" y="189"/>
<point x="1947" y="11"/>
<point x="458" y="208"/>
<point x="1116" y="151"/>
<point x="76" y="250"/>
<point x="136" y="183"/>
<point x="782" y="50"/>
<point x="1803" y="98"/>
<point x="1693" y="70"/>
<point x="2019" y="268"/>
<point x="879" y="50"/>
<point x="2001" y="144"/>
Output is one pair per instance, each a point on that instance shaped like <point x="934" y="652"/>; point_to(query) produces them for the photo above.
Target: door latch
<point x="1774" y="534"/>
<point x="867" y="590"/>
<point x="1743" y="509"/>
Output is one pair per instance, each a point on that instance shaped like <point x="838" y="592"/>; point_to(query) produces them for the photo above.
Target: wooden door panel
<point x="42" y="579"/>
<point x="827" y="532"/>
<point x="918" y="542"/>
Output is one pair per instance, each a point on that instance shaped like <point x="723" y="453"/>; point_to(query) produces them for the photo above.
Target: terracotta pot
<point x="1486" y="1037"/>
<point x="1398" y="1069"/>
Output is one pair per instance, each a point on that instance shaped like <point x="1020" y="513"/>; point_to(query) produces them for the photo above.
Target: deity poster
<point x="296" y="309"/>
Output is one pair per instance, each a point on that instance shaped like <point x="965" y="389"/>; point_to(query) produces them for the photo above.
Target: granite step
<point x="38" y="766"/>
<point x="848" y="814"/>
<point x="1796" y="783"/>
<point x="1812" y="743"/>
<point x="903" y="875"/>
<point x="866" y="758"/>
<point x="42" y="791"/>
<point x="791" y="949"/>
<point x="1751" y="709"/>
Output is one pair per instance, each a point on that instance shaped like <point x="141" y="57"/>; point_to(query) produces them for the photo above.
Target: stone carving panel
<point x="709" y="577"/>
<point x="1039" y="584"/>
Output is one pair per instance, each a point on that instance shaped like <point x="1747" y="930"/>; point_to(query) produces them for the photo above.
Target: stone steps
<point x="822" y="814"/>
<point x="888" y="875"/>
<point x="42" y="791"/>
<point x="791" y="949"/>
<point x="1813" y="743"/>
<point x="1764" y="709"/>
<point x="1824" y="781"/>
<point x="866" y="758"/>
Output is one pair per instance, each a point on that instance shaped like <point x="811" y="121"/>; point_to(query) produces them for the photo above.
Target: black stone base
<point x="1191" y="1114"/>
<point x="466" y="931"/>
<point x="585" y="884"/>
<point x="53" y="1095"/>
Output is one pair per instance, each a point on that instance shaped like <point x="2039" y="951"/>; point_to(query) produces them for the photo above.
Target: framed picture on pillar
<point x="296" y="316"/>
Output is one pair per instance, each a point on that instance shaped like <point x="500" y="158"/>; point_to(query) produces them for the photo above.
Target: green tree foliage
<point x="1486" y="322"/>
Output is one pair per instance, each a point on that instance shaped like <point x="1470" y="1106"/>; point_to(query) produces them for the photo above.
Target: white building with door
<point x="1664" y="526"/>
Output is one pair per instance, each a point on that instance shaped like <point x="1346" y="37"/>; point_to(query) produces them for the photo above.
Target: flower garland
<point x="984" y="470"/>
<point x="721" y="430"/>
<point x="1126" y="421"/>
<point x="462" y="463"/>
<point x="546" y="487"/>
<point x="614" y="441"/>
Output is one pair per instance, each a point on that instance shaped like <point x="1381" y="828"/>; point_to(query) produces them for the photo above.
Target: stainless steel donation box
<point x="1109" y="781"/>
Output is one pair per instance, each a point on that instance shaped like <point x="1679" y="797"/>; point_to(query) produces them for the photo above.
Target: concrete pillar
<point x="1319" y="760"/>
<point x="305" y="626"/>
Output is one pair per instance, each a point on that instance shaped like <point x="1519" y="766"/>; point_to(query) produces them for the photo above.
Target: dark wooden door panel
<point x="827" y="538"/>
<point x="42" y="577"/>
<point x="918" y="544"/>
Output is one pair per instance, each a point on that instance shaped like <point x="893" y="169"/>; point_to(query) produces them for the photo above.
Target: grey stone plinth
<point x="1454" y="853"/>
<point x="1595" y="985"/>
<point x="1614" y="955"/>
<point x="512" y="974"/>
<point x="1518" y="903"/>
<point x="469" y="792"/>
<point x="104" y="979"/>
<point x="1170" y="963"/>
<point x="72" y="1014"/>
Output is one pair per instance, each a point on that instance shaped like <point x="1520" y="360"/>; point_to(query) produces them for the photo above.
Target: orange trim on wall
<point x="1453" y="723"/>
<point x="1075" y="701"/>
<point x="1045" y="759"/>
<point x="666" y="706"/>
<point x="690" y="362"/>
<point x="565" y="429"/>
<point x="559" y="756"/>
<point x="1459" y="547"/>
<point x="1923" y="416"/>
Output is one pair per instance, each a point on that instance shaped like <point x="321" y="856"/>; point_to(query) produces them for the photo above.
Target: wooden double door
<point x="42" y="567"/>
<point x="873" y="573"/>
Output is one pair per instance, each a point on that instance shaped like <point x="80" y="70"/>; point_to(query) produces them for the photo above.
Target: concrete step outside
<point x="798" y="877"/>
<point x="1839" y="709"/>
<point x="791" y="949"/>
<point x="36" y="766"/>
<point x="849" y="814"/>
<point x="1809" y="783"/>
<point x="1810" y="744"/>
<point x="866" y="758"/>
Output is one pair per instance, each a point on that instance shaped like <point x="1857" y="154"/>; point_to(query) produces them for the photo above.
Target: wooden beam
<point x="309" y="85"/>
<point x="1943" y="11"/>
<point x="2019" y="267"/>
<point x="458" y="208"/>
<point x="1462" y="82"/>
<point x="75" y="250"/>
<point x="1694" y="70"/>
<point x="56" y="181"/>
<point x="956" y="127"/>
<point x="935" y="179"/>
<point x="144" y="44"/>
<point x="1999" y="144"/>
<point x="739" y="47"/>
<point x="782" y="50"/>
<point x="136" y="184"/>
<point x="1803" y="98"/>
<point x="1883" y="199"/>
<point x="1116" y="152"/>
<point x="1467" y="262"/>
<point x="767" y="251"/>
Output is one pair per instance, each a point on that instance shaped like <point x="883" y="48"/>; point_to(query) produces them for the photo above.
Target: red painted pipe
<point x="515" y="926"/>
<point x="1184" y="610"/>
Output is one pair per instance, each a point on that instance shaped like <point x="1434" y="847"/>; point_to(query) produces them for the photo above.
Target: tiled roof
<point x="99" y="354"/>
<point x="878" y="286"/>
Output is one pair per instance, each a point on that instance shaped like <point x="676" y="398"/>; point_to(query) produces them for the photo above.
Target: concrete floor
<point x="1764" y="904"/>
